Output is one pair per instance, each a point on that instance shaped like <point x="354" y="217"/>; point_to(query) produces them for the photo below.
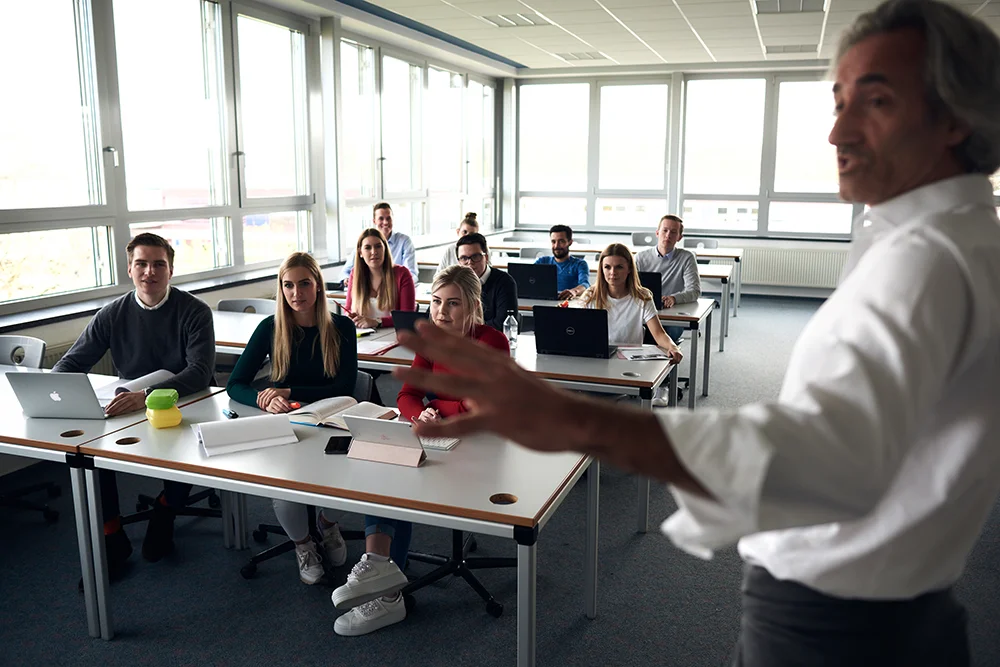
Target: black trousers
<point x="786" y="624"/>
<point x="175" y="494"/>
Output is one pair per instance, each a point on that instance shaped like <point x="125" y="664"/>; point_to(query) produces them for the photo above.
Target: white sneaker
<point x="369" y="579"/>
<point x="334" y="547"/>
<point x="370" y="617"/>
<point x="661" y="402"/>
<point x="310" y="562"/>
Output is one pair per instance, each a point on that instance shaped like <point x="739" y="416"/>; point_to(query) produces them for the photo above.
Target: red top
<point x="410" y="400"/>
<point x="406" y="297"/>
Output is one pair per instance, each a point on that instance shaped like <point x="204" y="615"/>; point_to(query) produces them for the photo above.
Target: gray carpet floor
<point x="656" y="604"/>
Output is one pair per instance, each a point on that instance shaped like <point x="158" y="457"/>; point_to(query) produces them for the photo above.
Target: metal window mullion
<point x="214" y="17"/>
<point x="86" y="75"/>
<point x="675" y="142"/>
<point x="314" y="233"/>
<point x="593" y="151"/>
<point x="768" y="148"/>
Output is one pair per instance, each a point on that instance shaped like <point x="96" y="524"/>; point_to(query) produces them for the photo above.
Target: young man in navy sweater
<point x="152" y="327"/>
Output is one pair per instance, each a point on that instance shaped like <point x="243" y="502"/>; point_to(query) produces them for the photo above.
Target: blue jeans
<point x="674" y="332"/>
<point x="398" y="531"/>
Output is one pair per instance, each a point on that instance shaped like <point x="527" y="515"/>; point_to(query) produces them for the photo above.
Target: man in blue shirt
<point x="573" y="274"/>
<point x="400" y="245"/>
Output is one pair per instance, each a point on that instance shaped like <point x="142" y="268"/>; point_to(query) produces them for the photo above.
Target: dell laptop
<point x="573" y="332"/>
<point x="56" y="395"/>
<point x="653" y="281"/>
<point x="534" y="281"/>
<point x="406" y="320"/>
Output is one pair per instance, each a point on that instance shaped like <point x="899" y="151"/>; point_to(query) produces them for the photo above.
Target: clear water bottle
<point x="510" y="331"/>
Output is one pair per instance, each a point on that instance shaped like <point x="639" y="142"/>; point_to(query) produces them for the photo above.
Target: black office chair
<point x="362" y="392"/>
<point x="28" y="352"/>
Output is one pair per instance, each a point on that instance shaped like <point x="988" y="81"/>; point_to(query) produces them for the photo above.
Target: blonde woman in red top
<point x="372" y="589"/>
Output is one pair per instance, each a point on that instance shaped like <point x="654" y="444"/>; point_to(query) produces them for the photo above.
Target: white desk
<point x="451" y="490"/>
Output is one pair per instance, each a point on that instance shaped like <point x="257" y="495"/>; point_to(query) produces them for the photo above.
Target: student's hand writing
<point x="265" y="396"/>
<point x="125" y="402"/>
<point x="429" y="415"/>
<point x="669" y="301"/>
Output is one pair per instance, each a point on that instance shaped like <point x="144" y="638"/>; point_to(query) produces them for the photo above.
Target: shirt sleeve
<point x="445" y="260"/>
<point x="88" y="349"/>
<point x="199" y="351"/>
<point x="349" y="286"/>
<point x="408" y="257"/>
<point x="505" y="300"/>
<point x="348" y="265"/>
<point x="342" y="384"/>
<point x="869" y="365"/>
<point x="583" y="273"/>
<point x="692" y="281"/>
<point x="410" y="399"/>
<point x="239" y="387"/>
<point x="647" y="310"/>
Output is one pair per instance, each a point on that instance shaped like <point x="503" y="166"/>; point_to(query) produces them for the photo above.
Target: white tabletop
<point x="597" y="249"/>
<point x="459" y="482"/>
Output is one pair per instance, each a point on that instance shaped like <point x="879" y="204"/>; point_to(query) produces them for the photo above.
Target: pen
<point x="229" y="414"/>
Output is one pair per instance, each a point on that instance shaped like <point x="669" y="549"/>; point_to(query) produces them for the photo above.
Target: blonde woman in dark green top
<point x="314" y="355"/>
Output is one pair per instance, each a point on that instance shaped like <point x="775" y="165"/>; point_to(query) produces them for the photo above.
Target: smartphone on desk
<point x="338" y="444"/>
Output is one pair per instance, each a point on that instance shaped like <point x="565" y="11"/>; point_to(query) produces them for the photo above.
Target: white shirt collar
<point x="157" y="306"/>
<point x="486" y="275"/>
<point x="933" y="198"/>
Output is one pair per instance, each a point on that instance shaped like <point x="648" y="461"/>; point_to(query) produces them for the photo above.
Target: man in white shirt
<point x="858" y="494"/>
<point x="400" y="245"/>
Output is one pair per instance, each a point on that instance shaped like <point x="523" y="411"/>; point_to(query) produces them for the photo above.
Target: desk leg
<point x="739" y="286"/>
<point x="708" y="352"/>
<point x="242" y="519"/>
<point x="693" y="364"/>
<point x="642" y="519"/>
<point x="100" y="556"/>
<point x="590" y="557"/>
<point x="86" y="550"/>
<point x="672" y="387"/>
<point x="725" y="317"/>
<point x="226" y="500"/>
<point x="527" y="564"/>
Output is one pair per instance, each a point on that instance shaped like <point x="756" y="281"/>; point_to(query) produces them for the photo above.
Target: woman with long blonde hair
<point x="375" y="287"/>
<point x="629" y="304"/>
<point x="314" y="355"/>
<point x="372" y="588"/>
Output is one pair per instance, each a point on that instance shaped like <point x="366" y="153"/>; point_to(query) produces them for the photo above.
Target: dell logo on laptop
<point x="531" y="280"/>
<point x="570" y="331"/>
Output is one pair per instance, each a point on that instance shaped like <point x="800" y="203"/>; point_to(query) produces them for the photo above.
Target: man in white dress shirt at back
<point x="400" y="245"/>
<point x="858" y="494"/>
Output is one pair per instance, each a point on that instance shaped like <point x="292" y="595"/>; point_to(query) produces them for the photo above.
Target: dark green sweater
<point x="305" y="377"/>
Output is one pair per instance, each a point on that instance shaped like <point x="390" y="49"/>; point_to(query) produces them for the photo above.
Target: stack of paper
<point x="642" y="353"/>
<point x="376" y="345"/>
<point x="237" y="435"/>
<point x="109" y="391"/>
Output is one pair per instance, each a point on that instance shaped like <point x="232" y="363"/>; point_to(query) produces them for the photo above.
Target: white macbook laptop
<point x="398" y="433"/>
<point x="56" y="395"/>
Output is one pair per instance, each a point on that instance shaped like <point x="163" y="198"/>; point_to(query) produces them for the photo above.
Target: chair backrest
<point x="643" y="239"/>
<point x="517" y="237"/>
<point x="695" y="242"/>
<point x="363" y="387"/>
<point x="22" y="351"/>
<point x="259" y="306"/>
<point x="535" y="253"/>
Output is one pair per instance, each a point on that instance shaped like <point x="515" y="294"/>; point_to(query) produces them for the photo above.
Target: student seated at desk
<point x="376" y="287"/>
<point x="499" y="296"/>
<point x="152" y="327"/>
<point x="372" y="588"/>
<point x="572" y="273"/>
<point x="629" y="304"/>
<point x="469" y="225"/>
<point x="313" y="356"/>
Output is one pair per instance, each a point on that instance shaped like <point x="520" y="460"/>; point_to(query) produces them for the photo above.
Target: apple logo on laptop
<point x="55" y="396"/>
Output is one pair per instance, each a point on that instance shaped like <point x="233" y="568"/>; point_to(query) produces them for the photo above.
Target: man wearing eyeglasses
<point x="499" y="289"/>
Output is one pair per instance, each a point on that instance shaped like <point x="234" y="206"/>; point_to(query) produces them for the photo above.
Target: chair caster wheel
<point x="409" y="602"/>
<point x="259" y="536"/>
<point x="51" y="516"/>
<point x="248" y="571"/>
<point x="55" y="491"/>
<point x="214" y="502"/>
<point x="494" y="609"/>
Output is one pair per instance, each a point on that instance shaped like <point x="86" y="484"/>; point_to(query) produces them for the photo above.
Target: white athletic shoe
<point x="661" y="402"/>
<point x="334" y="547"/>
<point x="371" y="616"/>
<point x="369" y="579"/>
<point x="310" y="562"/>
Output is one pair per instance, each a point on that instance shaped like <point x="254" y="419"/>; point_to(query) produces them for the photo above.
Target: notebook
<point x="330" y="412"/>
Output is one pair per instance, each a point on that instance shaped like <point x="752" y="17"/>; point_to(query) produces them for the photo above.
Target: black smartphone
<point x="338" y="444"/>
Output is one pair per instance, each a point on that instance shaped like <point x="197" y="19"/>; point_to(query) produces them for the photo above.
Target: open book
<point x="109" y="391"/>
<point x="331" y="411"/>
<point x="237" y="435"/>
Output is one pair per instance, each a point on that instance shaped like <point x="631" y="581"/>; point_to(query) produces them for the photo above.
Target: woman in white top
<point x="469" y="225"/>
<point x="629" y="304"/>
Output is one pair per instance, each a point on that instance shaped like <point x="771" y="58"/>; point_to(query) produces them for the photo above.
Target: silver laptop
<point x="56" y="395"/>
<point x="394" y="433"/>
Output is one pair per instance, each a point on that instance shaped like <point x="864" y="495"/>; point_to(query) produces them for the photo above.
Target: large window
<point x="199" y="244"/>
<point x="272" y="104"/>
<point x="552" y="140"/>
<point x="633" y="144"/>
<point x="172" y="97"/>
<point x="443" y="130"/>
<point x="49" y="131"/>
<point x="358" y="147"/>
<point x="273" y="236"/>
<point x="74" y="259"/>
<point x="479" y="137"/>
<point x="805" y="161"/>
<point x="401" y="128"/>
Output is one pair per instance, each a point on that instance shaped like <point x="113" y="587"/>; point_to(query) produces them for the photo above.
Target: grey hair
<point x="961" y="70"/>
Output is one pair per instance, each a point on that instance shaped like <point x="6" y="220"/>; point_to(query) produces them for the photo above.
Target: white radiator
<point x="791" y="267"/>
<point x="55" y="353"/>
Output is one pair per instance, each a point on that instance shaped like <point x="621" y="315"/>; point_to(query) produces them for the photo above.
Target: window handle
<point x="114" y="154"/>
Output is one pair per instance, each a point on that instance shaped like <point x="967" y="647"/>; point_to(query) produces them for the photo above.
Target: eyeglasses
<point x="471" y="259"/>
